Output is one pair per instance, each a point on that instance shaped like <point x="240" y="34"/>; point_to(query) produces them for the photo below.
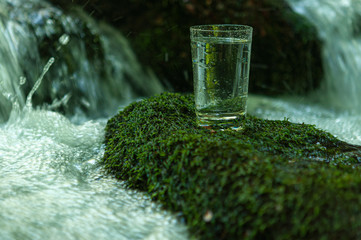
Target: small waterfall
<point x="336" y="106"/>
<point x="339" y="27"/>
<point x="94" y="68"/>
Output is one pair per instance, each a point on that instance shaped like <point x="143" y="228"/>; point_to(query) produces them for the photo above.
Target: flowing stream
<point x="336" y="107"/>
<point x="51" y="186"/>
<point x="62" y="75"/>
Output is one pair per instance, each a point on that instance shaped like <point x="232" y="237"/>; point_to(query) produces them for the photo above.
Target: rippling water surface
<point x="51" y="186"/>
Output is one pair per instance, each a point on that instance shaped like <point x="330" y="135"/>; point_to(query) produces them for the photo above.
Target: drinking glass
<point x="221" y="62"/>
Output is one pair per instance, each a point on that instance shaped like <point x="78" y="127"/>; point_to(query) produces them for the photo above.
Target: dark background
<point x="285" y="50"/>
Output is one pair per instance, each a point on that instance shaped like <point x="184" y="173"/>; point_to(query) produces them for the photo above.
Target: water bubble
<point x="64" y="39"/>
<point x="50" y="21"/>
<point x="8" y="96"/>
<point x="22" y="80"/>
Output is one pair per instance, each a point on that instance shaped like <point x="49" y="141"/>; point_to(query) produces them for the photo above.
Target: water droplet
<point x="50" y="22"/>
<point x="64" y="39"/>
<point x="8" y="96"/>
<point x="22" y="80"/>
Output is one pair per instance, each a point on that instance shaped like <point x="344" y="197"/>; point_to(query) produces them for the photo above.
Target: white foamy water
<point x="94" y="66"/>
<point x="51" y="186"/>
<point x="338" y="26"/>
<point x="336" y="106"/>
<point x="342" y="124"/>
<point x="51" y="183"/>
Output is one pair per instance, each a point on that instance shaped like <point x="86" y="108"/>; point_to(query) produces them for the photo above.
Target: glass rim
<point x="237" y="28"/>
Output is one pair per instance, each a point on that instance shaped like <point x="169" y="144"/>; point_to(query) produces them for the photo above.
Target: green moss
<point x="273" y="180"/>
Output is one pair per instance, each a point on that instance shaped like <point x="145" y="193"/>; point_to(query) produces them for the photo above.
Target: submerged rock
<point x="273" y="180"/>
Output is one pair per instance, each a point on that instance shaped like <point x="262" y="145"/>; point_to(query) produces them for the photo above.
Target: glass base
<point x="221" y="121"/>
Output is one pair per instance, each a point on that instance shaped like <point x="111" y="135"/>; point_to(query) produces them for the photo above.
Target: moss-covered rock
<point x="273" y="180"/>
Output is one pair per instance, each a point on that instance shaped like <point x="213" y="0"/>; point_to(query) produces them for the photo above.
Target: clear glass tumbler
<point x="221" y="61"/>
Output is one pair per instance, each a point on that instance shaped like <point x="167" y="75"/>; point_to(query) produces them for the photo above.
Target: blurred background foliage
<point x="286" y="55"/>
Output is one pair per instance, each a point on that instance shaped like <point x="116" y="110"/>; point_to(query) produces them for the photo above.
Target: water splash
<point x="51" y="185"/>
<point x="46" y="68"/>
<point x="95" y="65"/>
